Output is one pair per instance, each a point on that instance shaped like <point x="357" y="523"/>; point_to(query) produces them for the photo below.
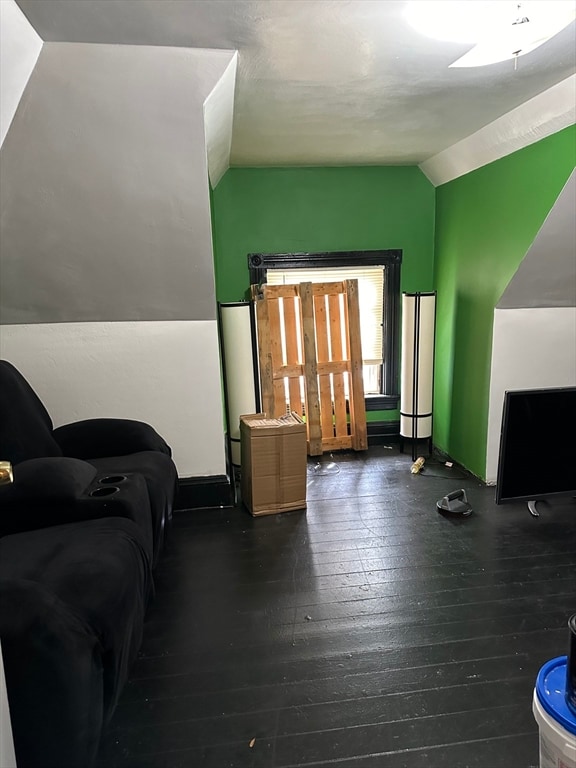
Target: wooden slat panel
<point x="327" y="289"/>
<point x="264" y="354"/>
<point x="280" y="291"/>
<point x="337" y="443"/>
<point x="291" y="331"/>
<point x="336" y="321"/>
<point x="324" y="366"/>
<point x="318" y="289"/>
<point x="333" y="366"/>
<point x="323" y="356"/>
<point x="311" y="372"/>
<point x="289" y="371"/>
<point x="324" y="369"/>
<point x="277" y="357"/>
<point x="357" y="407"/>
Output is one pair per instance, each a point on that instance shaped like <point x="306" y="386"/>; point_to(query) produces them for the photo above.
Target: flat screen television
<point x="537" y="445"/>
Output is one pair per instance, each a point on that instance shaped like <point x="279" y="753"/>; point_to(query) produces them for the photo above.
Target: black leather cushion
<point x="25" y="425"/>
<point x="51" y="492"/>
<point x="50" y="479"/>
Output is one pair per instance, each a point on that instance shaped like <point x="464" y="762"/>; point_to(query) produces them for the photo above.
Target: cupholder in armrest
<point x="108" y="490"/>
<point x="112" y="479"/>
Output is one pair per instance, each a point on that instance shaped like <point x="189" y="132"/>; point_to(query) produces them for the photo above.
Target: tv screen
<point x="537" y="445"/>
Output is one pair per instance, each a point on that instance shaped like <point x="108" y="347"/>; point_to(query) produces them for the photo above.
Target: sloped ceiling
<point x="20" y="47"/>
<point x="325" y="82"/>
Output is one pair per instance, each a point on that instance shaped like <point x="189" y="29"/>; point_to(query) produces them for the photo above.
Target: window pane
<point x="370" y="294"/>
<point x="371" y="374"/>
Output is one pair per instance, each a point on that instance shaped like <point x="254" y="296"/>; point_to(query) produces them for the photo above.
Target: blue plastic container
<point x="555" y="718"/>
<point x="571" y="669"/>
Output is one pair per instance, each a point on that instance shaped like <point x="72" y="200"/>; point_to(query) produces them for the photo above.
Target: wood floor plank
<point x="183" y="704"/>
<point x="368" y="631"/>
<point x="390" y="737"/>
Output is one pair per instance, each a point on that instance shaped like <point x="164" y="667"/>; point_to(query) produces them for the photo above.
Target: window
<point x="371" y="299"/>
<point x="378" y="275"/>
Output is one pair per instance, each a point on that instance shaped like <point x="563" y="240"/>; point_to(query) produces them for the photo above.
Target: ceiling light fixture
<point x="501" y="30"/>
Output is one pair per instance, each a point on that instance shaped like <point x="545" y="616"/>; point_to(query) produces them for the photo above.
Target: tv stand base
<point x="532" y="509"/>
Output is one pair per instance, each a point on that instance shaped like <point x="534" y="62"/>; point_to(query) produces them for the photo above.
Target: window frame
<point x="391" y="261"/>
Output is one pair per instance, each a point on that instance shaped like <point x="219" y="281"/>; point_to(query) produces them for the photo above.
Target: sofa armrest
<point x="49" y="480"/>
<point x="100" y="438"/>
<point x="56" y="491"/>
<point x="45" y="492"/>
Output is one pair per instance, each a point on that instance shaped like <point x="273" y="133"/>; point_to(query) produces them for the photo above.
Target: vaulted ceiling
<point x="325" y="82"/>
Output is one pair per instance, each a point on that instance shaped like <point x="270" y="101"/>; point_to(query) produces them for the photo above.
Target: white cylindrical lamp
<point x="239" y="367"/>
<point x="417" y="370"/>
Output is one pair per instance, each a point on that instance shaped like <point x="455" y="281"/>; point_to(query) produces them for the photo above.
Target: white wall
<point x="20" y="47"/>
<point x="164" y="373"/>
<point x="105" y="198"/>
<point x="107" y="295"/>
<point x="531" y="348"/>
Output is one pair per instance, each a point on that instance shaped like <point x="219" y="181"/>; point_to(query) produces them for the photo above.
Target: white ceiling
<point x="324" y="82"/>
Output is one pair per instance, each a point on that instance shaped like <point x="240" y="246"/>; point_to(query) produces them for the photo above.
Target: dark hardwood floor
<point x="368" y="631"/>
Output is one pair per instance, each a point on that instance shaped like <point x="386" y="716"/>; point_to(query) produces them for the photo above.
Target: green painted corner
<point x="485" y="224"/>
<point x="283" y="210"/>
<point x="465" y="240"/>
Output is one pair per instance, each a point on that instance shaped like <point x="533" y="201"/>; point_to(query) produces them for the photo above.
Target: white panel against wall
<point x="545" y="114"/>
<point x="164" y="373"/>
<point x="531" y="348"/>
<point x="218" y="120"/>
<point x="20" y="47"/>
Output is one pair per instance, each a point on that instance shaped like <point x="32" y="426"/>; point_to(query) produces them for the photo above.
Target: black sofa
<point x="81" y="529"/>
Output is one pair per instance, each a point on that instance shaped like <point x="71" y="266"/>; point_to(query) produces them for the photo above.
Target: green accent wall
<point x="284" y="210"/>
<point x="485" y="224"/>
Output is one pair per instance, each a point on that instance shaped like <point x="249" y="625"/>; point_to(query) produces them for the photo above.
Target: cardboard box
<point x="273" y="463"/>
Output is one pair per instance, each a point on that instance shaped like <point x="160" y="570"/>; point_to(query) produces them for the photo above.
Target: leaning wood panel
<point x="279" y="391"/>
<point x="264" y="352"/>
<point x="291" y="334"/>
<point x="336" y="321"/>
<point x="323" y="356"/>
<point x="357" y="406"/>
<point x="309" y="334"/>
<point x="311" y="372"/>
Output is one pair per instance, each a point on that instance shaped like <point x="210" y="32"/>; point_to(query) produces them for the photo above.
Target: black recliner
<point x="81" y="527"/>
<point x="81" y="470"/>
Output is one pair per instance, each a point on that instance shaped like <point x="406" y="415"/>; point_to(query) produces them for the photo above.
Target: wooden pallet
<point x="311" y="360"/>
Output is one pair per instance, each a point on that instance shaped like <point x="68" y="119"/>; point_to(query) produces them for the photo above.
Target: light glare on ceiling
<point x="502" y="29"/>
<point x="456" y="21"/>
